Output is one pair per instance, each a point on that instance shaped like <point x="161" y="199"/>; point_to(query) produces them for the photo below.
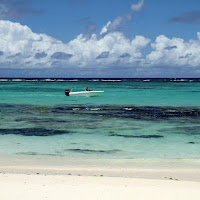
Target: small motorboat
<point x="90" y="93"/>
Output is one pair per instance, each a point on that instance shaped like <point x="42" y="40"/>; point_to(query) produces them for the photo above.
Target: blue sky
<point x="100" y="38"/>
<point x="65" y="19"/>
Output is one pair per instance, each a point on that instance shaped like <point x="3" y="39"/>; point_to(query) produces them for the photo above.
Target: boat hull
<point x="86" y="93"/>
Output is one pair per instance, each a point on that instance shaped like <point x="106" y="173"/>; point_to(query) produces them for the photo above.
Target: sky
<point x="100" y="38"/>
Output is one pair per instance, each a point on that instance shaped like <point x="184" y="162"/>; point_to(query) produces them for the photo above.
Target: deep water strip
<point x="135" y="112"/>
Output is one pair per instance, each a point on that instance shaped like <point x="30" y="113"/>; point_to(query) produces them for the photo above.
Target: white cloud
<point x="104" y="30"/>
<point x="15" y="39"/>
<point x="174" y="52"/>
<point x="121" y="20"/>
<point x="114" y="43"/>
<point x="137" y="7"/>
<point x="20" y="48"/>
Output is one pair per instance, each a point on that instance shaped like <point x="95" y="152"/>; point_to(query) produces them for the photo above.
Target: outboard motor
<point x="67" y="92"/>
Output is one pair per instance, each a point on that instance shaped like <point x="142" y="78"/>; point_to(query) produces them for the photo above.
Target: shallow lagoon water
<point x="133" y="119"/>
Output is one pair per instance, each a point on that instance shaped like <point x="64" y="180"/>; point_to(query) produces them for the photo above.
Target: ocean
<point x="132" y="119"/>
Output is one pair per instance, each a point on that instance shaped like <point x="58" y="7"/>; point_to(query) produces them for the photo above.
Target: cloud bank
<point x="114" y="53"/>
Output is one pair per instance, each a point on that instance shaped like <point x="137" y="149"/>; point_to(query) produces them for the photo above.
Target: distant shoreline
<point x="97" y="78"/>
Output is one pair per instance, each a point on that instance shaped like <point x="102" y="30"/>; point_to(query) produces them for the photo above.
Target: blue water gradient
<point x="132" y="119"/>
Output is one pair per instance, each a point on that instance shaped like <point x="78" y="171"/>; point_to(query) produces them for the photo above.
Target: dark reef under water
<point x="136" y="112"/>
<point x="34" y="120"/>
<point x="32" y="132"/>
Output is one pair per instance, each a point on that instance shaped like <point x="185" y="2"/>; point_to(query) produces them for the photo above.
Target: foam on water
<point x="4" y="79"/>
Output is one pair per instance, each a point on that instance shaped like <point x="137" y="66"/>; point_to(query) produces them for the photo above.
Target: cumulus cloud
<point x="171" y="47"/>
<point x="23" y="49"/>
<point x="186" y="56"/>
<point x="121" y="20"/>
<point x="27" y="49"/>
<point x="104" y="54"/>
<point x="61" y="56"/>
<point x="187" y="17"/>
<point x="125" y="55"/>
<point x="40" y="55"/>
<point x="14" y="56"/>
<point x="163" y="56"/>
<point x="16" y="9"/>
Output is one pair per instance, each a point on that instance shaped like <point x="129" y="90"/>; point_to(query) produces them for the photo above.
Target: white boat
<point x="146" y="80"/>
<point x="91" y="93"/>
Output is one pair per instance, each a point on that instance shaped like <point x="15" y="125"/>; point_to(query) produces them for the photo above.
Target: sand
<point x="53" y="187"/>
<point x="37" y="179"/>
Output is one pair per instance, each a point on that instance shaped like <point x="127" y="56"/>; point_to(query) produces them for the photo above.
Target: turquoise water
<point x="132" y="119"/>
<point x="125" y="92"/>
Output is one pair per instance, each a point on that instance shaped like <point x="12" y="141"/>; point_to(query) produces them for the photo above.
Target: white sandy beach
<point x="22" y="178"/>
<point x="52" y="187"/>
<point x="142" y="180"/>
